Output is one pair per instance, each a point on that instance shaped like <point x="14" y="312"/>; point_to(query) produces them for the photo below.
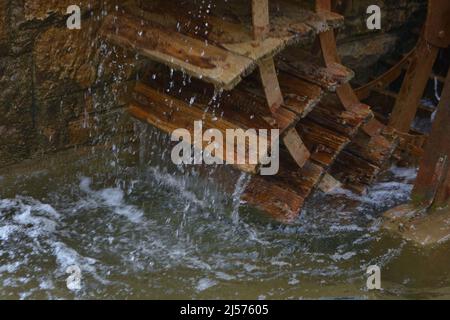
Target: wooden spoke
<point x="261" y="18"/>
<point x="413" y="86"/>
<point x="433" y="181"/>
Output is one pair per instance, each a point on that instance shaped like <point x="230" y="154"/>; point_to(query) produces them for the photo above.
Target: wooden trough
<point x="207" y="55"/>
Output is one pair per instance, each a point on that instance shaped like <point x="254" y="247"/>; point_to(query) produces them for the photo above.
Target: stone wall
<point x="361" y="48"/>
<point x="58" y="87"/>
<point x="61" y="88"/>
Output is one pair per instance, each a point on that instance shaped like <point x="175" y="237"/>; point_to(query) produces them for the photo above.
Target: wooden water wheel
<point x="414" y="71"/>
<point x="327" y="133"/>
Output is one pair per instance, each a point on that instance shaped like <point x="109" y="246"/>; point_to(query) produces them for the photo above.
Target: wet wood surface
<point x="217" y="46"/>
<point x="433" y="185"/>
<point x="211" y="63"/>
<point x="312" y="103"/>
<point x="413" y="86"/>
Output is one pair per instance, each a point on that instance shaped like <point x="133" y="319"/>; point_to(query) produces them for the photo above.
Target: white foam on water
<point x="331" y="241"/>
<point x="39" y="224"/>
<point x="6" y="231"/>
<point x="346" y="228"/>
<point x="407" y="174"/>
<point x="293" y="281"/>
<point x="46" y="285"/>
<point x="241" y="185"/>
<point x="378" y="194"/>
<point x="10" y="268"/>
<point x="224" y="276"/>
<point x="29" y="214"/>
<point x="179" y="184"/>
<point x="343" y="256"/>
<point x="66" y="257"/>
<point x="113" y="198"/>
<point x="26" y="223"/>
<point x="383" y="194"/>
<point x="204" y="284"/>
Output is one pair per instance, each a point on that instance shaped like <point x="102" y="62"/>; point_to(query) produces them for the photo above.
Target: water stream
<point x="138" y="227"/>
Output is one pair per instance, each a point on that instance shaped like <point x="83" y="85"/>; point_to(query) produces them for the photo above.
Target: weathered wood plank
<point x="300" y="63"/>
<point x="269" y="80"/>
<point x="410" y="149"/>
<point x="329" y="184"/>
<point x="197" y="58"/>
<point x="346" y="123"/>
<point x="279" y="203"/>
<point x="282" y="196"/>
<point x="324" y="144"/>
<point x="299" y="96"/>
<point x="245" y="105"/>
<point x="355" y="173"/>
<point x="294" y="143"/>
<point x="358" y="170"/>
<point x="376" y="149"/>
<point x="169" y="114"/>
<point x="228" y="24"/>
<point x="261" y="19"/>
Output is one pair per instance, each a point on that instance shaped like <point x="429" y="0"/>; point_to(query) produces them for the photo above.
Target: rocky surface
<point x="361" y="48"/>
<point x="58" y="86"/>
<point x="421" y="226"/>
<point x="3" y="30"/>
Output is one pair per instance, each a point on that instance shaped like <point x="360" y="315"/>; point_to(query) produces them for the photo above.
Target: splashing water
<point x="241" y="184"/>
<point x="144" y="228"/>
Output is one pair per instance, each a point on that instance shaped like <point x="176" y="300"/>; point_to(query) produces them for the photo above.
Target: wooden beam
<point x="261" y="18"/>
<point x="289" y="26"/>
<point x="291" y="139"/>
<point x="329" y="48"/>
<point x="271" y="85"/>
<point x="433" y="181"/>
<point x="296" y="147"/>
<point x="413" y="86"/>
<point x="213" y="64"/>
<point x="329" y="184"/>
<point x="282" y="196"/>
<point x="323" y="5"/>
<point x="304" y="65"/>
<point x="361" y="167"/>
<point x="331" y="57"/>
<point x="385" y="79"/>
<point x="169" y="114"/>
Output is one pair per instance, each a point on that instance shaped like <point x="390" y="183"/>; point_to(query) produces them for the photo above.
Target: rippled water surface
<point x="140" y="228"/>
